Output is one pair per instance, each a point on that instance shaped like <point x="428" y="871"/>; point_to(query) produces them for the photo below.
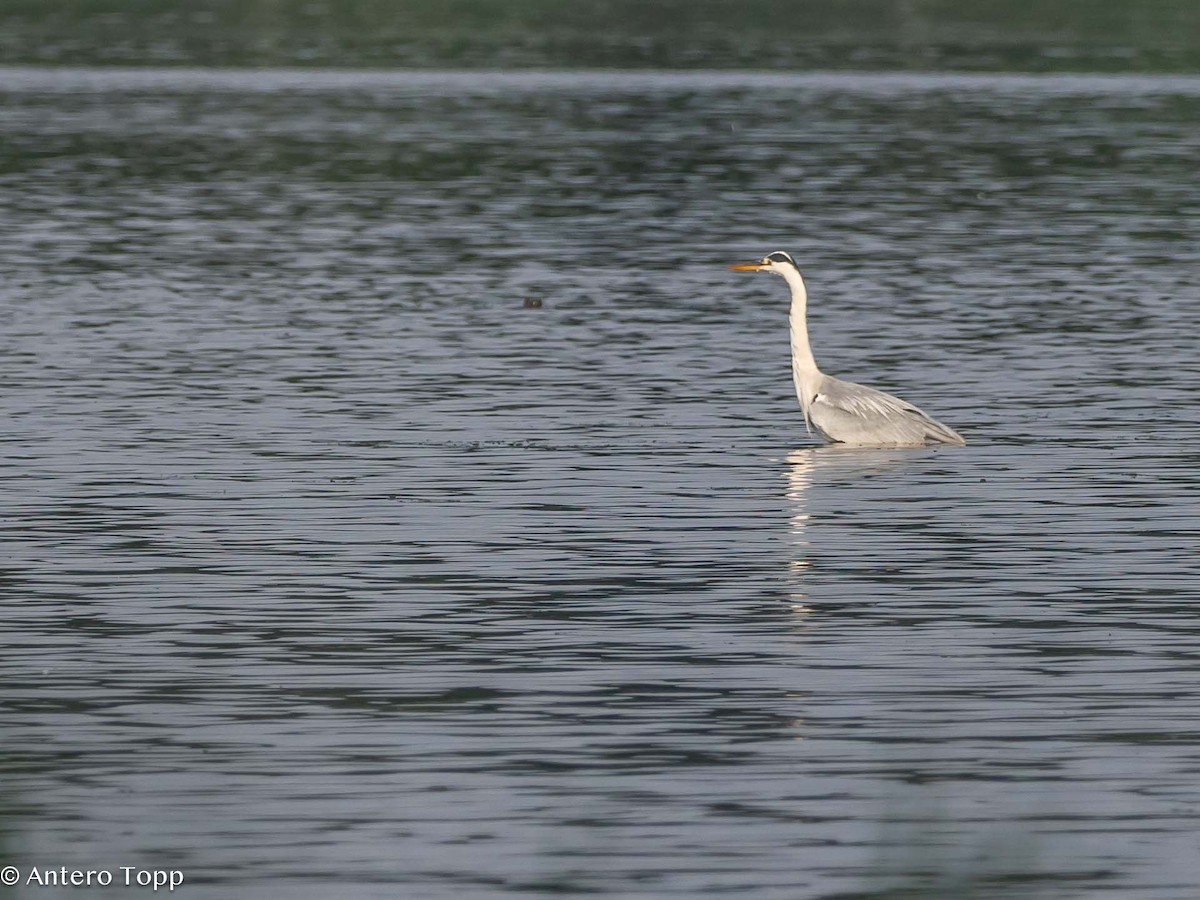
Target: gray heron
<point x="841" y="411"/>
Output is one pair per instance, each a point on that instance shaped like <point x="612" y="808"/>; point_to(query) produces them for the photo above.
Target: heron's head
<point x="777" y="263"/>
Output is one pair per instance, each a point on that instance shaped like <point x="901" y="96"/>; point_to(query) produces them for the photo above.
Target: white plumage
<point x="841" y="411"/>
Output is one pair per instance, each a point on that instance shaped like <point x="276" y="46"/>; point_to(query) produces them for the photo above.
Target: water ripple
<point x="330" y="565"/>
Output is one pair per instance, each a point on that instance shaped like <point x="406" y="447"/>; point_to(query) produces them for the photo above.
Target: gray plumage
<point x="852" y="413"/>
<point x="842" y="411"/>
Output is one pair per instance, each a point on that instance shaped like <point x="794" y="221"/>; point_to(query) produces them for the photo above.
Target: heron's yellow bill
<point x="747" y="267"/>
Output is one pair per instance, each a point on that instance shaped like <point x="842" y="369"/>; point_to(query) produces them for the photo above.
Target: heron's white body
<point x="805" y="374"/>
<point x="841" y="411"/>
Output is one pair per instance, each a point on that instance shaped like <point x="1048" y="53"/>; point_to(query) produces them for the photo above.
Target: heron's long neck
<point x="805" y="373"/>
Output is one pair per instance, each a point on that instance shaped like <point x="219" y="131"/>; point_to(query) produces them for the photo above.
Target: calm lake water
<point x="330" y="569"/>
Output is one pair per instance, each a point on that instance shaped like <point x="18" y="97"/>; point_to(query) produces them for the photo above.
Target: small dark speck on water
<point x="533" y="303"/>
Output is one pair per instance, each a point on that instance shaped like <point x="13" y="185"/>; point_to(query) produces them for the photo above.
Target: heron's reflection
<point x="813" y="468"/>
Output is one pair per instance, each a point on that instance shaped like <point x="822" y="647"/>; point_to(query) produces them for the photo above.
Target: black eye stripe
<point x="780" y="257"/>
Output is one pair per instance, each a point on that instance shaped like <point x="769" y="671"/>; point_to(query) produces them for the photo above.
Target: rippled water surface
<point x="331" y="569"/>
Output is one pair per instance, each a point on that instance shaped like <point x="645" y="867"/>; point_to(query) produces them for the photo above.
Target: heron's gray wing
<point x="854" y="413"/>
